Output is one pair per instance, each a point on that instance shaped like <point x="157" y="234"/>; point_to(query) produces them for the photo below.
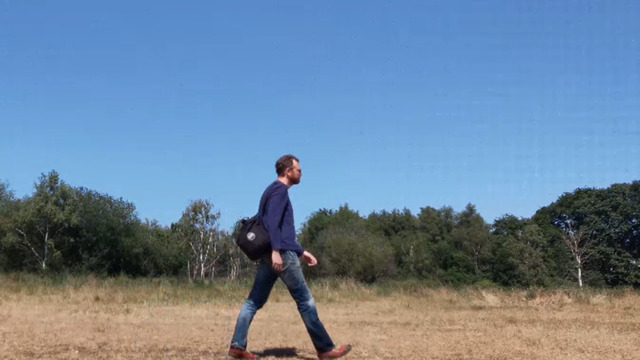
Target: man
<point x="283" y="262"/>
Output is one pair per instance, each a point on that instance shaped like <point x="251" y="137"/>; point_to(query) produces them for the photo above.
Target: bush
<point x="355" y="253"/>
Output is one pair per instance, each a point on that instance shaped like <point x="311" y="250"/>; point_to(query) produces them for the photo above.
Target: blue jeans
<point x="292" y="276"/>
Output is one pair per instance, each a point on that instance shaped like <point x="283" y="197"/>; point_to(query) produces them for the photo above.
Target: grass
<point x="77" y="317"/>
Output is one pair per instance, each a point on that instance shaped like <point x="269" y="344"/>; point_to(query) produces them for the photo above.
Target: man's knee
<point x="311" y="303"/>
<point x="252" y="306"/>
<point x="306" y="304"/>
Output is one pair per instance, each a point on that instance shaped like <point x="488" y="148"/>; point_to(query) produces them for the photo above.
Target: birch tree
<point x="237" y="262"/>
<point x="39" y="220"/>
<point x="578" y="242"/>
<point x="198" y="229"/>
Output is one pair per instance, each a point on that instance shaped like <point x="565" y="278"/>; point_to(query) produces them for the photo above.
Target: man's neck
<point x="285" y="181"/>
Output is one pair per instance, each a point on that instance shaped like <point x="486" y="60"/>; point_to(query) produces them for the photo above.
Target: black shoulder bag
<point x="253" y="238"/>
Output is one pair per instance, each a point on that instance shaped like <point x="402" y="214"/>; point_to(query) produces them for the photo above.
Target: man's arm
<point x="275" y="209"/>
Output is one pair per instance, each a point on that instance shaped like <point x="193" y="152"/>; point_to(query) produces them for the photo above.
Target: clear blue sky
<point x="388" y="104"/>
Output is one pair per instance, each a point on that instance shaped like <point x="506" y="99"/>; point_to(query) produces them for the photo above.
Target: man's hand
<point x="276" y="261"/>
<point x="309" y="258"/>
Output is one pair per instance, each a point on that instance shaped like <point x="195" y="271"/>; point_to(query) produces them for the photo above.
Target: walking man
<point x="283" y="262"/>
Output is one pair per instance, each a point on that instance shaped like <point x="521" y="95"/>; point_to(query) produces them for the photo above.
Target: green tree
<point x="345" y="246"/>
<point x="39" y="222"/>
<point x="320" y="221"/>
<point x="607" y="221"/>
<point x="104" y="237"/>
<point x="471" y="235"/>
<point x="311" y="229"/>
<point x="352" y="251"/>
<point x="517" y="253"/>
<point x="6" y="195"/>
<point x="7" y="201"/>
<point x="155" y="251"/>
<point x="400" y="229"/>
<point x="436" y="225"/>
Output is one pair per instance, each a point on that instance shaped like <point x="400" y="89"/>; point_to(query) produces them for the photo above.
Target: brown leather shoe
<point x="236" y="353"/>
<point x="337" y="352"/>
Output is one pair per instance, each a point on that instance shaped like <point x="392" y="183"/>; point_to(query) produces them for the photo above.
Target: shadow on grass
<point x="283" y="353"/>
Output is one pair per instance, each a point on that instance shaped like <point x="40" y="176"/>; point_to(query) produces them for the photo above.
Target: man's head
<point x="288" y="169"/>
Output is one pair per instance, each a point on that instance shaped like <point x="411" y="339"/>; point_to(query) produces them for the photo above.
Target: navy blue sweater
<point x="278" y="218"/>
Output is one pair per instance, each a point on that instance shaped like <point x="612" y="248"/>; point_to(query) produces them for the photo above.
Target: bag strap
<point x="263" y="202"/>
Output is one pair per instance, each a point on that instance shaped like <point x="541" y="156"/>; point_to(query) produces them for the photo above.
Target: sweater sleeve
<point x="275" y="210"/>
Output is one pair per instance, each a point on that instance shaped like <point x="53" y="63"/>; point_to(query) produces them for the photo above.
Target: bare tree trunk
<point x="579" y="262"/>
<point x="204" y="253"/>
<point x="202" y="257"/>
<point x="202" y="268"/>
<point x="233" y="266"/>
<point x="46" y="249"/>
<point x="234" y="263"/>
<point x="196" y="259"/>
<point x="577" y="241"/>
<point x="580" y="276"/>
<point x="196" y="270"/>
<point x="233" y="271"/>
<point x="41" y="261"/>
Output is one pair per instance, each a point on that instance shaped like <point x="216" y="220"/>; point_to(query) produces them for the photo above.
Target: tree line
<point x="60" y="228"/>
<point x="588" y="236"/>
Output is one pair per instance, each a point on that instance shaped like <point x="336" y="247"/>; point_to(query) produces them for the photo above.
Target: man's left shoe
<point x="337" y="352"/>
<point x="237" y="353"/>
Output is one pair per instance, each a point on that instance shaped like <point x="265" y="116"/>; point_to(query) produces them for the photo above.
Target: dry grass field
<point x="88" y="318"/>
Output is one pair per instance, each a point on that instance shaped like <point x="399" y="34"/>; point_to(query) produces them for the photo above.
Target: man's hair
<point x="285" y="162"/>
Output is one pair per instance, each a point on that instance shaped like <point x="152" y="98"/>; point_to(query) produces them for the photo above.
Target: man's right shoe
<point x="337" y="352"/>
<point x="237" y="353"/>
